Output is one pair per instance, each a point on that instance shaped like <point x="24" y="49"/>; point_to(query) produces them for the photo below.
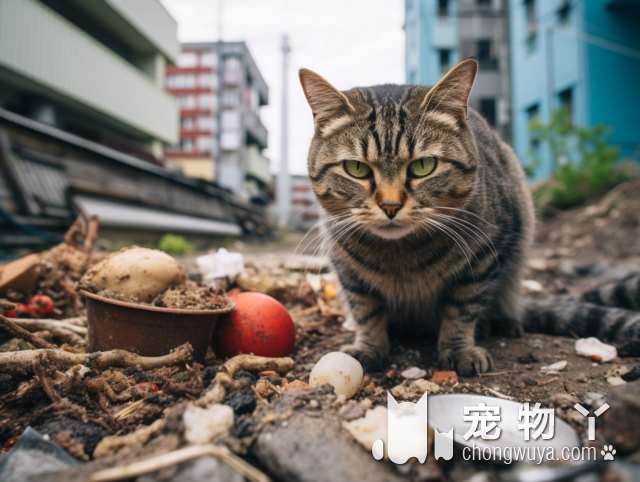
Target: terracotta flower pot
<point x="148" y="330"/>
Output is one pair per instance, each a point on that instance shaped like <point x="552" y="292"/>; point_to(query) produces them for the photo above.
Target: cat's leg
<point x="507" y="318"/>
<point x="457" y="349"/>
<point x="371" y="343"/>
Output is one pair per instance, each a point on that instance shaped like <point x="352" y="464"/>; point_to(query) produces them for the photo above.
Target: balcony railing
<point x="255" y="128"/>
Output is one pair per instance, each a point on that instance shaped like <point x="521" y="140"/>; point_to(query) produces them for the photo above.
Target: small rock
<point x="314" y="404"/>
<point x="615" y="381"/>
<point x="203" y="425"/>
<point x="352" y="409"/>
<point x="595" y="350"/>
<point x="410" y="389"/>
<point x="532" y="286"/>
<point x="444" y="377"/>
<point x="412" y="373"/>
<point x="339" y="370"/>
<point x="538" y="264"/>
<point x="555" y="367"/>
<point x="619" y="424"/>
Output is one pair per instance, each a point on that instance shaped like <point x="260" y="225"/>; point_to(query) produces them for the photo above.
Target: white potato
<point x="343" y="372"/>
<point x="135" y="273"/>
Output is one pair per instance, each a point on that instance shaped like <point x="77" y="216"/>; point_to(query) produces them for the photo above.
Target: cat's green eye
<point x="423" y="167"/>
<point x="357" y="169"/>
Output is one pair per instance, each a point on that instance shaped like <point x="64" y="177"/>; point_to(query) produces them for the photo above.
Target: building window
<point x="204" y="143"/>
<point x="186" y="101"/>
<point x="444" y="58"/>
<point x="206" y="123"/>
<point x="207" y="101"/>
<point x="488" y="109"/>
<point x="232" y="71"/>
<point x="209" y="59"/>
<point x="564" y="12"/>
<point x="208" y="80"/>
<point x="533" y="114"/>
<point x="186" y="123"/>
<point x="565" y="99"/>
<point x="532" y="23"/>
<point x="187" y="59"/>
<point x="484" y="55"/>
<point x="443" y="8"/>
<point x="484" y="3"/>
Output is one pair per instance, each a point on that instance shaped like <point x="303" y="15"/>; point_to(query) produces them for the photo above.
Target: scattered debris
<point x="343" y="372"/>
<point x="412" y="373"/>
<point x="204" y="425"/>
<point x="595" y="350"/>
<point x="615" y="381"/>
<point x="219" y="265"/>
<point x="444" y="377"/>
<point x="532" y="286"/>
<point x="413" y="389"/>
<point x="554" y="367"/>
<point x="371" y="427"/>
<point x="621" y="421"/>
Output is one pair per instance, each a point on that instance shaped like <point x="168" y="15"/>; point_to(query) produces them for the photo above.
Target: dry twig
<point x="252" y="363"/>
<point x="67" y="332"/>
<point x="162" y="461"/>
<point x="20" y="332"/>
<point x="23" y="360"/>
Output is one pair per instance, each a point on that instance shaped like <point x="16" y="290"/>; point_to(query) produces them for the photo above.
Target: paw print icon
<point x="608" y="452"/>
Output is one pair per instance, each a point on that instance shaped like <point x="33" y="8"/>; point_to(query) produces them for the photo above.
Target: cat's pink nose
<point x="391" y="208"/>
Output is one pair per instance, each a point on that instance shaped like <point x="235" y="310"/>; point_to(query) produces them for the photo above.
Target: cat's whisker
<point x="466" y="211"/>
<point x="470" y="228"/>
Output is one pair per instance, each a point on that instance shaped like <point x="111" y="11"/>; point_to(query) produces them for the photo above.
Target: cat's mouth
<point x="391" y="229"/>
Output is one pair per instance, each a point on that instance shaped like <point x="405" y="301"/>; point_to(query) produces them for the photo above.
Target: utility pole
<point x="284" y="191"/>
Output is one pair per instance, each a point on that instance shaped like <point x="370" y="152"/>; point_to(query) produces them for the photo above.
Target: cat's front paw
<point x="467" y="361"/>
<point x="372" y="358"/>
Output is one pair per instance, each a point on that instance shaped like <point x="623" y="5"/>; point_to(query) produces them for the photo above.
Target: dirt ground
<point x="574" y="251"/>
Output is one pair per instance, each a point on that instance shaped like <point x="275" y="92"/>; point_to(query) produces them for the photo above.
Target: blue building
<point x="438" y="33"/>
<point x="583" y="55"/>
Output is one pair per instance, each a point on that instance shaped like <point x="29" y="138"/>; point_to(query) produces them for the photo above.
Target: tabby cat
<point x="428" y="216"/>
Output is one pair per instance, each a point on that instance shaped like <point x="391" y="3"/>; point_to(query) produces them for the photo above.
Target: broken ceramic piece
<point x="596" y="350"/>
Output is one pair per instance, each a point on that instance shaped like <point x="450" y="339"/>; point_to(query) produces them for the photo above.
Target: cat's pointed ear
<point x="451" y="92"/>
<point x="327" y="103"/>
<point x="392" y="404"/>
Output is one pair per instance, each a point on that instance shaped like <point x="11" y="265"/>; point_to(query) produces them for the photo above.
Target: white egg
<point x="343" y="372"/>
<point x="139" y="274"/>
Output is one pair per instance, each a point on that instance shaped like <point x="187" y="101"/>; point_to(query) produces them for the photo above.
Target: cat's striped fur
<point x="441" y="253"/>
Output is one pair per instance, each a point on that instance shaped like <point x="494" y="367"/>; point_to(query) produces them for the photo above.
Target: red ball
<point x="259" y="324"/>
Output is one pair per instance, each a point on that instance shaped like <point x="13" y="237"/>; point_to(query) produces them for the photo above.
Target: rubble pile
<point x="125" y="416"/>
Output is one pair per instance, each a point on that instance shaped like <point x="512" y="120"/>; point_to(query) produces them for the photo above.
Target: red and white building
<point x="219" y="91"/>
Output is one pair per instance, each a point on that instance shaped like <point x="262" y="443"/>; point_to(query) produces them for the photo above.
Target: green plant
<point x="585" y="164"/>
<point x="175" y="244"/>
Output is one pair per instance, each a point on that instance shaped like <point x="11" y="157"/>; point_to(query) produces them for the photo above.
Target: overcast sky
<point x="350" y="42"/>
